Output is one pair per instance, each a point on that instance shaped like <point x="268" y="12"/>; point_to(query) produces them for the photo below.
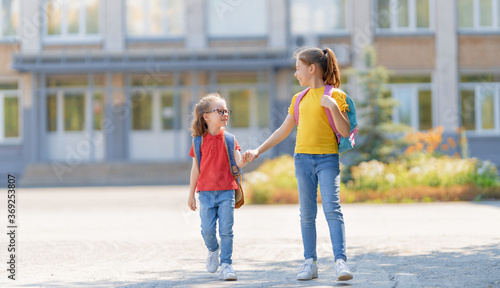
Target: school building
<point x="96" y="90"/>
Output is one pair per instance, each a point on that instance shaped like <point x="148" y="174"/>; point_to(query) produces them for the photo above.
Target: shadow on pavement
<point x="475" y="266"/>
<point x="488" y="203"/>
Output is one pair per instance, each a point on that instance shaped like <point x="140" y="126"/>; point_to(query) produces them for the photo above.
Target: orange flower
<point x="419" y="146"/>
<point x="410" y="150"/>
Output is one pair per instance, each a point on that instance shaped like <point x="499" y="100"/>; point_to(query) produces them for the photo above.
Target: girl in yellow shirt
<point x="316" y="155"/>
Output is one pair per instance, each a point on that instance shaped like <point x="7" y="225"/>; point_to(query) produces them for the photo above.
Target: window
<point x="72" y="19"/>
<point x="74" y="111"/>
<point x="479" y="15"/>
<point x="156" y="105"/>
<point x="155" y="18"/>
<point x="167" y="110"/>
<point x="9" y="18"/>
<point x="142" y="116"/>
<point x="9" y="106"/>
<point x="480" y="104"/>
<point x="414" y="96"/>
<point x="319" y="17"/>
<point x="69" y="106"/>
<point x="247" y="96"/>
<point x="240" y="103"/>
<point x="404" y="15"/>
<point x="228" y="18"/>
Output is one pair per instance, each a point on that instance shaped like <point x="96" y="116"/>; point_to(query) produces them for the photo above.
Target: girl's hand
<point x="245" y="158"/>
<point x="192" y="202"/>
<point x="252" y="155"/>
<point x="328" y="102"/>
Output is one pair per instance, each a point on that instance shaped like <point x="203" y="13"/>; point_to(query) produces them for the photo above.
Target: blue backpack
<point x="345" y="144"/>
<point x="229" y="140"/>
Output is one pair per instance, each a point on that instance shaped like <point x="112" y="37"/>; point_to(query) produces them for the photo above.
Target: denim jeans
<point x="218" y="205"/>
<point x="322" y="169"/>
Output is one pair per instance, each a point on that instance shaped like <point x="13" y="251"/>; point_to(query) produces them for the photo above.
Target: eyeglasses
<point x="221" y="112"/>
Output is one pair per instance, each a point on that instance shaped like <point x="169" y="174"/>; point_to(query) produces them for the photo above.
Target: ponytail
<point x="332" y="73"/>
<point x="326" y="62"/>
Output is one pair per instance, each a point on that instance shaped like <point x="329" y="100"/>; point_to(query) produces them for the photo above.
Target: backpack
<point x="229" y="140"/>
<point x="345" y="144"/>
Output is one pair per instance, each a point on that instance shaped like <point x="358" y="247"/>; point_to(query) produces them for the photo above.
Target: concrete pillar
<point x="114" y="28"/>
<point x="363" y="23"/>
<point x="30" y="27"/>
<point x="447" y="92"/>
<point x="278" y="22"/>
<point x="196" y="24"/>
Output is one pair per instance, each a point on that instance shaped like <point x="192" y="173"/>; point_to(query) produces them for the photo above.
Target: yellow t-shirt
<point x="314" y="134"/>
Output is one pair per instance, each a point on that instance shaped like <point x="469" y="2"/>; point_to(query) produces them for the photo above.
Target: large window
<point x="155" y="106"/>
<point x="479" y="15"/>
<point x="9" y="108"/>
<point x="155" y="18"/>
<point x="247" y="97"/>
<point x="414" y="96"/>
<point x="480" y="104"/>
<point x="237" y="18"/>
<point x="404" y="15"/>
<point x="68" y="103"/>
<point x="9" y="19"/>
<point x="318" y="17"/>
<point x="72" y="19"/>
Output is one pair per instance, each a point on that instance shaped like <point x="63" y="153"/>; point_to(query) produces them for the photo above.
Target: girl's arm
<point x="195" y="174"/>
<point x="340" y="118"/>
<point x="279" y="135"/>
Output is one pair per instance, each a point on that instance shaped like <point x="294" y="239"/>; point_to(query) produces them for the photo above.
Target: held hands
<point x="250" y="155"/>
<point x="328" y="102"/>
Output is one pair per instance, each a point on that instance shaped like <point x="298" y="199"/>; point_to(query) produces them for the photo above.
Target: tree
<point x="380" y="137"/>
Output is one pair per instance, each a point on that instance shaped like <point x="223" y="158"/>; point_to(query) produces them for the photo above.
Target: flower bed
<point x="421" y="177"/>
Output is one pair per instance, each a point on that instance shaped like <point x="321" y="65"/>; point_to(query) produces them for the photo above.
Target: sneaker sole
<point x="306" y="279"/>
<point x="344" y="277"/>
<point x="230" y="278"/>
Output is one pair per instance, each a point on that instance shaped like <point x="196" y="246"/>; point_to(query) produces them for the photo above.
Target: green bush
<point x="273" y="182"/>
<point x="424" y="170"/>
<point x="420" y="177"/>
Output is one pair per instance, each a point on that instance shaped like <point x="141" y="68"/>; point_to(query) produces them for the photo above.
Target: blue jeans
<point x="322" y="169"/>
<point x="218" y="205"/>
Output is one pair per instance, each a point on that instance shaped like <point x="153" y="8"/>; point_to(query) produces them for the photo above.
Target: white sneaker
<point x="213" y="260"/>
<point x="227" y="272"/>
<point x="343" y="272"/>
<point x="308" y="270"/>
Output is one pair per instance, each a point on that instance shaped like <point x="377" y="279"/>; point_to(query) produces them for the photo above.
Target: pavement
<point x="145" y="237"/>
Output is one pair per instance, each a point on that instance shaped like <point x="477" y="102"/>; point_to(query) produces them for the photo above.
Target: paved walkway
<point x="141" y="237"/>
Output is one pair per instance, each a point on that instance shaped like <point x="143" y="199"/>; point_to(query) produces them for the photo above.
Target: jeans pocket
<point x="296" y="155"/>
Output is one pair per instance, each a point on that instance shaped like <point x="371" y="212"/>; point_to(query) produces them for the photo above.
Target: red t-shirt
<point x="214" y="167"/>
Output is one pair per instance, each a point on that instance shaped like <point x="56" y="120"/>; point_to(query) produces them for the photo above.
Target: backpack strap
<point x="328" y="91"/>
<point x="197" y="141"/>
<point x="229" y="140"/>
<point x="296" y="105"/>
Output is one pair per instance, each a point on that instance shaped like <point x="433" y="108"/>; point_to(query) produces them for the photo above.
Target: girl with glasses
<point x="213" y="180"/>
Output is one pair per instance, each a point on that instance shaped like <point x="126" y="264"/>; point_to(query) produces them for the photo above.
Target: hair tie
<point x="324" y="51"/>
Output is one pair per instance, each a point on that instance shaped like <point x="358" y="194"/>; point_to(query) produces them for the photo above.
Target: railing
<point x="160" y="60"/>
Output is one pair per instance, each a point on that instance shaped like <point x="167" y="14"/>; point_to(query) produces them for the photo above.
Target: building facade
<point x="89" y="81"/>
